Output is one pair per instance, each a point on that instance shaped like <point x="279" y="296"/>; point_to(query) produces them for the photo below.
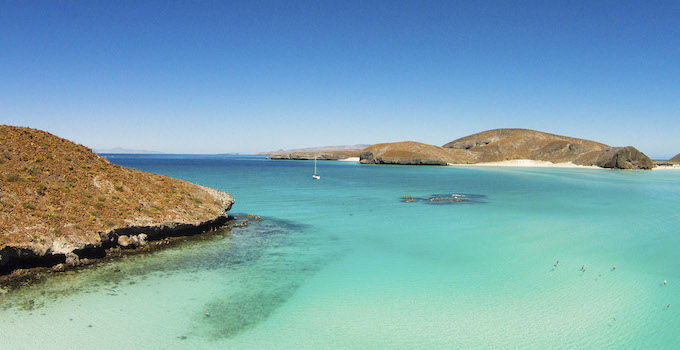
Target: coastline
<point x="528" y="163"/>
<point x="143" y="239"/>
<point x="666" y="167"/>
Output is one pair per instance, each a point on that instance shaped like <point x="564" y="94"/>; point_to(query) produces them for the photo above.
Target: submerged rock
<point x="450" y="198"/>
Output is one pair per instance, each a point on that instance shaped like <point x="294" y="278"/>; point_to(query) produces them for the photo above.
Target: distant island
<point x="62" y="205"/>
<point x="343" y="152"/>
<point x="120" y="150"/>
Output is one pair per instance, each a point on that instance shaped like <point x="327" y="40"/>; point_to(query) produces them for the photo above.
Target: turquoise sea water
<point x="343" y="262"/>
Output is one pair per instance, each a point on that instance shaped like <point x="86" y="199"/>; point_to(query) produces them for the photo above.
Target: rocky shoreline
<point x="23" y="266"/>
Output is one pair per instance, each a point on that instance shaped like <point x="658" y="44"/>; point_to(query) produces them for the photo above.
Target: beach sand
<point x="350" y="159"/>
<point x="529" y="163"/>
<point x="666" y="167"/>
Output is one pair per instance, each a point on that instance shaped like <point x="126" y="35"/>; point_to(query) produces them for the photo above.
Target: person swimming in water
<point x="557" y="262"/>
<point x="583" y="268"/>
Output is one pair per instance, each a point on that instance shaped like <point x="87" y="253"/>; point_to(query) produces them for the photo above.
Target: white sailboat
<point x="315" y="176"/>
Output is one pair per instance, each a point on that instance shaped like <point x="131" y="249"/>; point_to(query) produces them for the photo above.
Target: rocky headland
<point x="509" y="144"/>
<point x="61" y="205"/>
<point x="320" y="155"/>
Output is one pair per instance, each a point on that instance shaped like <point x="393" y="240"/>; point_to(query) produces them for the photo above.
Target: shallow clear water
<point x="343" y="262"/>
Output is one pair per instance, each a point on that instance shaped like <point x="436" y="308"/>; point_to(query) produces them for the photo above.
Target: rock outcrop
<point x="320" y="155"/>
<point x="60" y="203"/>
<point x="623" y="158"/>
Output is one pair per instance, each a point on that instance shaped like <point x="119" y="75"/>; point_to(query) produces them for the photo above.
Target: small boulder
<point x="72" y="259"/>
<point x="142" y="239"/>
<point x="124" y="241"/>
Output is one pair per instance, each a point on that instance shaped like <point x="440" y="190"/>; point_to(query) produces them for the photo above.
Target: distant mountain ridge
<point x="357" y="147"/>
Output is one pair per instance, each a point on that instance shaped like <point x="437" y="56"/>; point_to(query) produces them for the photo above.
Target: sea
<point x="383" y="257"/>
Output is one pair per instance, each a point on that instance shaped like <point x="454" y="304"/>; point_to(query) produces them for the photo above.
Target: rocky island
<point x="500" y="145"/>
<point x="62" y="205"/>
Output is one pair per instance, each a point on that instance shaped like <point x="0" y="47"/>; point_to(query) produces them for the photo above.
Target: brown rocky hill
<point x="410" y="153"/>
<point x="320" y="155"/>
<point x="59" y="199"/>
<point x="675" y="160"/>
<point x="509" y="144"/>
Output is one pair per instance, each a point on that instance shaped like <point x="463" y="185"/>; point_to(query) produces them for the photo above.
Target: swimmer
<point x="207" y="314"/>
<point x="614" y="268"/>
<point x="669" y="305"/>
<point x="583" y="268"/>
<point x="665" y="282"/>
<point x="557" y="263"/>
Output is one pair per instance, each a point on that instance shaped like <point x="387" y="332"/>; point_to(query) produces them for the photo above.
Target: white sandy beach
<point x="665" y="167"/>
<point x="530" y="163"/>
<point x="350" y="159"/>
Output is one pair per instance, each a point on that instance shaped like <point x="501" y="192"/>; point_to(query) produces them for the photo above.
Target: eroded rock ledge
<point x="13" y="258"/>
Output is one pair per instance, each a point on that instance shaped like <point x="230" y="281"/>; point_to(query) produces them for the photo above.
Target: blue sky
<point x="232" y="76"/>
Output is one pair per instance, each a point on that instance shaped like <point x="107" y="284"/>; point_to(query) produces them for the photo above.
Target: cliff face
<point x="58" y="199"/>
<point x="320" y="155"/>
<point x="509" y="144"/>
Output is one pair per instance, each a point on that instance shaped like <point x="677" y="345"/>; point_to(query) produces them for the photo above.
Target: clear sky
<point x="247" y="76"/>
